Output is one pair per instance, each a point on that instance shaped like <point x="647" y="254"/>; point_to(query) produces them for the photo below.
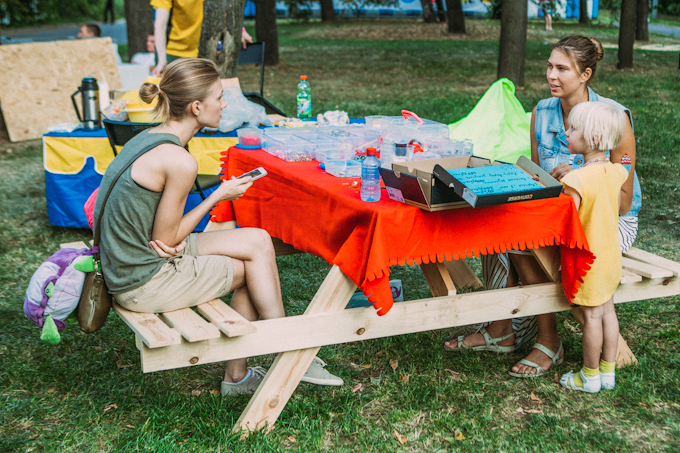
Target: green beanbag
<point x="498" y="125"/>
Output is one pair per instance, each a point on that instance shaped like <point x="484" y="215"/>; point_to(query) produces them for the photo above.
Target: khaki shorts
<point x="184" y="281"/>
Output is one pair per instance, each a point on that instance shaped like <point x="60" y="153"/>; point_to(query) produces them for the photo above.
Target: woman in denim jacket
<point x="571" y="68"/>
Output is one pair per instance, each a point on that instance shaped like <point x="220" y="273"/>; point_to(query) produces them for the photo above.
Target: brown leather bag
<point x="95" y="300"/>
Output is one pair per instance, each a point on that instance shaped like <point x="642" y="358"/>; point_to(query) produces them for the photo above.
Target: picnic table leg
<point x="285" y="373"/>
<point x="438" y="279"/>
<point x="461" y="273"/>
<point x="548" y="259"/>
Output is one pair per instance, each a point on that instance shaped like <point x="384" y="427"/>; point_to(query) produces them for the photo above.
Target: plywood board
<point x="37" y="80"/>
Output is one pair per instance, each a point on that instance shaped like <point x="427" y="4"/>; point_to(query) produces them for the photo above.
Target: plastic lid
<point x="303" y="77"/>
<point x="371" y="151"/>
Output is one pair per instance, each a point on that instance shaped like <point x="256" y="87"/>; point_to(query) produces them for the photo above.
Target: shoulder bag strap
<point x="97" y="229"/>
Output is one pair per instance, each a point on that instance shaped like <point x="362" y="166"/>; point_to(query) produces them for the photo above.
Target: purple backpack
<point x="54" y="290"/>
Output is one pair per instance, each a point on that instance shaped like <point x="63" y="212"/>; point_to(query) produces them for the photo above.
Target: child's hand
<point x="559" y="171"/>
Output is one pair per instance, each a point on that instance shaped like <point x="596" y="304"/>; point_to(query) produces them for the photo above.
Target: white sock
<point x="242" y="380"/>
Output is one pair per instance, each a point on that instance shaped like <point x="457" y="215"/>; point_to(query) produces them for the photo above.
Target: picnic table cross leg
<point x="289" y="367"/>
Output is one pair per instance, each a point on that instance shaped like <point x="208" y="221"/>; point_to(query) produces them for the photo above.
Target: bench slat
<point x="191" y="326"/>
<point x="644" y="269"/>
<point x="150" y="329"/>
<point x="655" y="260"/>
<point x="629" y="277"/>
<point x="225" y="318"/>
<point x="74" y="245"/>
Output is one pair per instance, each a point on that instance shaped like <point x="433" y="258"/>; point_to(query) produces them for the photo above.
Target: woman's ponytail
<point x="184" y="81"/>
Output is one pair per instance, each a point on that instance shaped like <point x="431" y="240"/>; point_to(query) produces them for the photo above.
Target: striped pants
<point x="495" y="270"/>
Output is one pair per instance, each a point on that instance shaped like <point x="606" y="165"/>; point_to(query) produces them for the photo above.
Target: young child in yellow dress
<point x="595" y="128"/>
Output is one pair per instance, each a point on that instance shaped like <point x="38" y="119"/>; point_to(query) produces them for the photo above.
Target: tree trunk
<point x="456" y="20"/>
<point x="222" y="21"/>
<point x="641" y="30"/>
<point x="428" y="12"/>
<point x="441" y="14"/>
<point x="513" y="41"/>
<point x="327" y="11"/>
<point x="266" y="31"/>
<point x="627" y="33"/>
<point x="139" y="18"/>
<point x="583" y="13"/>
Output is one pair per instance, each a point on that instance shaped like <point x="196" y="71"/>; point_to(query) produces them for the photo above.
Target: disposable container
<point x="374" y="121"/>
<point x="250" y="138"/>
<point x="343" y="168"/>
<point x="322" y="145"/>
<point x="290" y="149"/>
<point x="398" y="128"/>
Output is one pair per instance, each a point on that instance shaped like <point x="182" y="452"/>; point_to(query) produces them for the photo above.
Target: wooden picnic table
<point x="305" y="210"/>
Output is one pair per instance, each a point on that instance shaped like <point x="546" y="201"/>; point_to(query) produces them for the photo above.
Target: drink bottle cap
<point x="303" y="77"/>
<point x="371" y="151"/>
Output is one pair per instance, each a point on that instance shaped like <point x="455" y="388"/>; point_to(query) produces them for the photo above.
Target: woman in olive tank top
<point x="151" y="259"/>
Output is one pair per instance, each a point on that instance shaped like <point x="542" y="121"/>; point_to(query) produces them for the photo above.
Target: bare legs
<point x="529" y="272"/>
<point x="256" y="285"/>
<point x="600" y="334"/>
<point x="548" y="21"/>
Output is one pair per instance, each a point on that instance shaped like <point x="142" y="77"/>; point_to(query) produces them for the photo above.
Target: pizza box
<point x="427" y="185"/>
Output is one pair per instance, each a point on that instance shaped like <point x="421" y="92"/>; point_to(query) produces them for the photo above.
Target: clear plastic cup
<point x="250" y="137"/>
<point x="374" y="121"/>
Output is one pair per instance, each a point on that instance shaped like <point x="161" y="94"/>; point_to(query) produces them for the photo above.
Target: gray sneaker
<point x="248" y="386"/>
<point x="317" y="374"/>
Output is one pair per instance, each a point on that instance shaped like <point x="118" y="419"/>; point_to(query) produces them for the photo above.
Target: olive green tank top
<point x="127" y="224"/>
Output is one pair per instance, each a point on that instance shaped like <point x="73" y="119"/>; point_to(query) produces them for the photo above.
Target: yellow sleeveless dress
<point x="599" y="186"/>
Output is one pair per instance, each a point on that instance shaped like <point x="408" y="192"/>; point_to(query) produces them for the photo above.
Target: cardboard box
<point x="429" y="186"/>
<point x="549" y="186"/>
<point x="413" y="183"/>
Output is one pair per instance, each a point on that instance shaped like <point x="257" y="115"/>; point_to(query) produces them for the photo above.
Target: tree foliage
<point x="670" y="7"/>
<point x="22" y="13"/>
<point x="358" y="5"/>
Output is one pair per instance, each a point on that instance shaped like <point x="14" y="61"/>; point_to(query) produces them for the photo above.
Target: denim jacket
<point x="553" y="146"/>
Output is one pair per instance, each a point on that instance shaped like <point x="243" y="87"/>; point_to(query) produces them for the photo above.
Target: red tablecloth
<point x="321" y="214"/>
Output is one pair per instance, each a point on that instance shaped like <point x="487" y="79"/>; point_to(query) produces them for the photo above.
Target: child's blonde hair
<point x="602" y="124"/>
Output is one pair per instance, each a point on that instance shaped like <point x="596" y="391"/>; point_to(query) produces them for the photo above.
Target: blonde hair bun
<point x="183" y="81"/>
<point x="598" y="48"/>
<point x="148" y="92"/>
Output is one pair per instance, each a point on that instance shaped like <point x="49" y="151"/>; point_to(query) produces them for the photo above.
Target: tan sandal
<point x="540" y="371"/>
<point x="490" y="343"/>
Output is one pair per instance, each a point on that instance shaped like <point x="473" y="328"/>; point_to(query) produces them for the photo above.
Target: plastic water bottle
<point x="304" y="99"/>
<point x="370" y="177"/>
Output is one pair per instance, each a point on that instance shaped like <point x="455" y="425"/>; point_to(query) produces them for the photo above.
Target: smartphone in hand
<point x="255" y="174"/>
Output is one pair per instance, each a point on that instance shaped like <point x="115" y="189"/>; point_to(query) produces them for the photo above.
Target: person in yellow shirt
<point x="185" y="31"/>
<point x="596" y="189"/>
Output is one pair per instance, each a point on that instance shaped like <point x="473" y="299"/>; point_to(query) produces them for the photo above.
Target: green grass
<point x="664" y="19"/>
<point x="59" y="398"/>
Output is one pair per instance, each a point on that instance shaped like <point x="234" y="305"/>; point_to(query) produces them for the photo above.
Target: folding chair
<point x="254" y="54"/>
<point x="120" y="132"/>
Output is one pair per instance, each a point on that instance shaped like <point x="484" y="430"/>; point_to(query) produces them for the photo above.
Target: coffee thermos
<point x="89" y="96"/>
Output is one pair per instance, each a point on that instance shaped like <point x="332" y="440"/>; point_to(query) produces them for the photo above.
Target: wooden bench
<point x="213" y="332"/>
